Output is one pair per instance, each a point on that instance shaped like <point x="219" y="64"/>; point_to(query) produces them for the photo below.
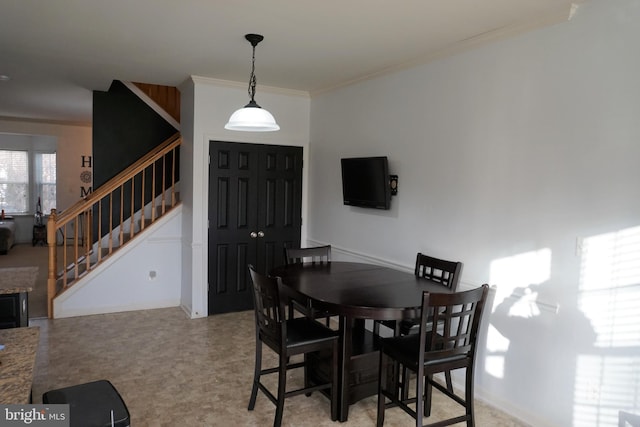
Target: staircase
<point x="90" y="232"/>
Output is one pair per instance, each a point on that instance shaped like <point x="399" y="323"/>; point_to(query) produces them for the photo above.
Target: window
<point x="14" y="181"/>
<point x="25" y="176"/>
<point x="45" y="181"/>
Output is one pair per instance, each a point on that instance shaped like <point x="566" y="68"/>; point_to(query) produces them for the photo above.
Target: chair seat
<point x="310" y="311"/>
<point x="91" y="404"/>
<point x="409" y="326"/>
<point x="405" y="348"/>
<point x="303" y="331"/>
<point x="406" y="327"/>
<point x="402" y="348"/>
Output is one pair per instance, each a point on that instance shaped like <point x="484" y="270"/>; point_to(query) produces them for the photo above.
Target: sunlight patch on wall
<point x="518" y="272"/>
<point x="515" y="277"/>
<point x="608" y="380"/>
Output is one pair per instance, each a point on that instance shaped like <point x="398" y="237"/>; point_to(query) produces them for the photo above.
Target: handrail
<point x="122" y="177"/>
<point x="151" y="182"/>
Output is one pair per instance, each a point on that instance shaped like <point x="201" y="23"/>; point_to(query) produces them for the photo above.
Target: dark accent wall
<point x="124" y="129"/>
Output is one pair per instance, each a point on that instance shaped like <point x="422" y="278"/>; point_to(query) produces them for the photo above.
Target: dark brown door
<point x="255" y="203"/>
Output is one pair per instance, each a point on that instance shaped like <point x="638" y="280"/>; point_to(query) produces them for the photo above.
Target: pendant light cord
<point x="252" y="79"/>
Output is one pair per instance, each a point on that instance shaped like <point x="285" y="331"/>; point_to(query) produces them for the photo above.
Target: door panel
<point x="253" y="189"/>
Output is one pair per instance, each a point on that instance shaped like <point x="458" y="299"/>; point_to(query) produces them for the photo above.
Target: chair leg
<point x="404" y="386"/>
<point x="421" y="408"/>
<point x="307" y="381"/>
<point x="428" y="393"/>
<point x="291" y="313"/>
<point x="469" y="397"/>
<point x="282" y="384"/>
<point x="256" y="374"/>
<point x="447" y="376"/>
<point x="382" y="379"/>
<point x="334" y="382"/>
<point x="398" y="385"/>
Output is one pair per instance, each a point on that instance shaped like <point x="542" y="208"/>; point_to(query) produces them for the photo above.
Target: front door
<point x="255" y="208"/>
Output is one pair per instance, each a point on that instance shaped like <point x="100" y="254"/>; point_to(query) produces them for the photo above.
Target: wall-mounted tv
<point x="365" y="182"/>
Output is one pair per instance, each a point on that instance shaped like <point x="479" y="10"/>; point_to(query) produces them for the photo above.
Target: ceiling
<point x="57" y="52"/>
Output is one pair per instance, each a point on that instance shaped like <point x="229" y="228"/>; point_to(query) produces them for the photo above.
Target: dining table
<point x="355" y="292"/>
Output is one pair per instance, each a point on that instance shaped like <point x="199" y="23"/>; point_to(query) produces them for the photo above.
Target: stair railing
<point x="73" y="252"/>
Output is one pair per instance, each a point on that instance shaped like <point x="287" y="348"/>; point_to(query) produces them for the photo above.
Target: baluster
<point x="143" y="205"/>
<point x="133" y="204"/>
<point x="153" y="192"/>
<point x="51" y="277"/>
<point x="121" y="238"/>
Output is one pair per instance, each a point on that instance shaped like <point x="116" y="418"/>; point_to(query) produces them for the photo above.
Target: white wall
<point x="206" y="105"/>
<point x="512" y="158"/>
<point x="71" y="142"/>
<point x="187" y="99"/>
<point x="144" y="274"/>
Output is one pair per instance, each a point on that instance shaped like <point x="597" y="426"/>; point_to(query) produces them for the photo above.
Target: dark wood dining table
<point x="355" y="292"/>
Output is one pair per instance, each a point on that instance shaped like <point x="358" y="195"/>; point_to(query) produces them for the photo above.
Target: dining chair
<point x="446" y="340"/>
<point x="287" y="338"/>
<point x="314" y="255"/>
<point x="441" y="271"/>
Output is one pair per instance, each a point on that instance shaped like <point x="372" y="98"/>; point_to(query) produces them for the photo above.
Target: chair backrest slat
<point x="447" y="273"/>
<point x="269" y="309"/>
<point x="318" y="254"/>
<point x="449" y="323"/>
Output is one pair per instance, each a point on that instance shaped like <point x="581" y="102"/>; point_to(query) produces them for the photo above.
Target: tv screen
<point x="365" y="182"/>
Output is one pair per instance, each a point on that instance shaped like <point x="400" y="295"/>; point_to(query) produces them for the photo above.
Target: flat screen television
<point x="365" y="182"/>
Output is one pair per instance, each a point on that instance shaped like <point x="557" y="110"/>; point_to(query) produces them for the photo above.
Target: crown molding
<point x="557" y="16"/>
<point x="239" y="85"/>
<point x="45" y="121"/>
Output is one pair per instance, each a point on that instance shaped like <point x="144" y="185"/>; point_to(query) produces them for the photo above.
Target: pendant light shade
<point x="252" y="117"/>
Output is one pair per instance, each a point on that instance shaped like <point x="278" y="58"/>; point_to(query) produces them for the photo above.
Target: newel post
<point x="51" y="277"/>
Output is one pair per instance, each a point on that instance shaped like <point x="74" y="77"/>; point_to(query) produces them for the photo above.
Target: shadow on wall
<point x="545" y="341"/>
<point x="570" y="353"/>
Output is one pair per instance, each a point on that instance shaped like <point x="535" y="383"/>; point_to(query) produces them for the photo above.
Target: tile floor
<point x="174" y="371"/>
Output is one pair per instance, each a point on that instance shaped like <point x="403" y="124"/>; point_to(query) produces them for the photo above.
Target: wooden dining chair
<point x="441" y="271"/>
<point x="314" y="255"/>
<point x="446" y="273"/>
<point x="288" y="337"/>
<point x="446" y="340"/>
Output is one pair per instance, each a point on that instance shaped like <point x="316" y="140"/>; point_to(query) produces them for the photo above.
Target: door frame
<point x="302" y="202"/>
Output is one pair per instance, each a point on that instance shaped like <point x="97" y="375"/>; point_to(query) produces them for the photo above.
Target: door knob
<point x="260" y="233"/>
<point x="253" y="234"/>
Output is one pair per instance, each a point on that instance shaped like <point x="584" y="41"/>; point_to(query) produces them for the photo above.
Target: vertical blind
<point x="14" y="181"/>
<point x="18" y="182"/>
<point x="45" y="174"/>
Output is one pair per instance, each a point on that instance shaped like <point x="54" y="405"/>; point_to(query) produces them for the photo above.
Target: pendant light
<point x="252" y="117"/>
